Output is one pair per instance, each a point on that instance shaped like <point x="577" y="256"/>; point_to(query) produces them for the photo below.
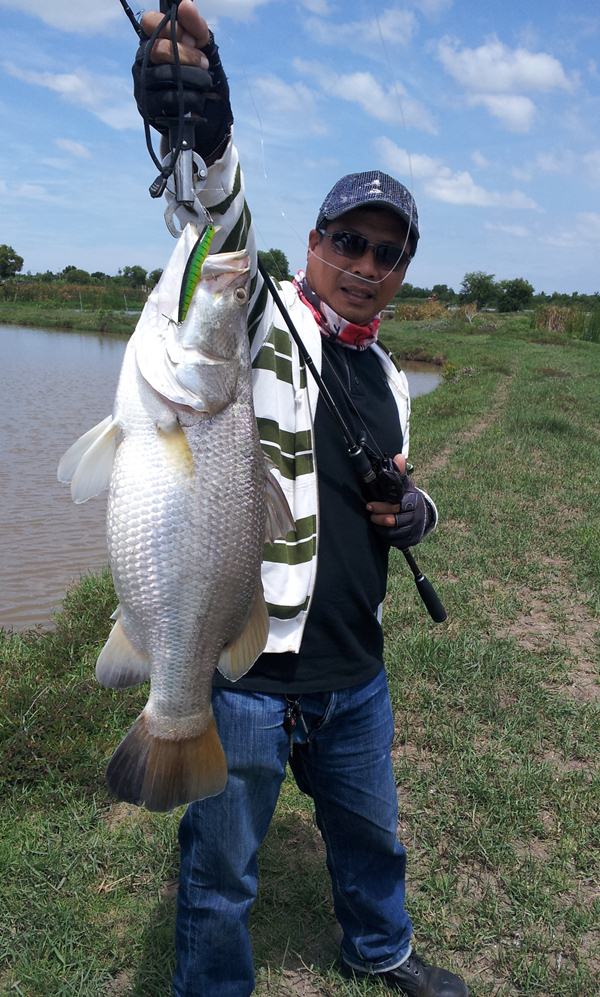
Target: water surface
<point x="54" y="386"/>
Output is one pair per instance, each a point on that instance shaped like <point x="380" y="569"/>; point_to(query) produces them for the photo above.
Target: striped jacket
<point x="285" y="400"/>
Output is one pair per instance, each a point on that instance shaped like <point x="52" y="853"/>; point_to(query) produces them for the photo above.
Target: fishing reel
<point x="380" y="478"/>
<point x="383" y="482"/>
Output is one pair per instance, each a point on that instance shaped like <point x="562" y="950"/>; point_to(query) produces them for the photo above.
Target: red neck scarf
<point x="332" y="325"/>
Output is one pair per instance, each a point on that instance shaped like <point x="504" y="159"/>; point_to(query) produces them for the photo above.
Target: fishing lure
<point x="193" y="270"/>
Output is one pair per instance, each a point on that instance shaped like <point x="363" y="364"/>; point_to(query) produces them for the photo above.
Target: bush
<point x="592" y="327"/>
<point x="423" y="311"/>
<point x="552" y="318"/>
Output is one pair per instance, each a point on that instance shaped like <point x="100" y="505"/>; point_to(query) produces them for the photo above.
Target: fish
<point x="192" y="499"/>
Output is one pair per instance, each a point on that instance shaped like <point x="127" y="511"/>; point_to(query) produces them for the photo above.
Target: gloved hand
<point x="205" y="87"/>
<point x="403" y="524"/>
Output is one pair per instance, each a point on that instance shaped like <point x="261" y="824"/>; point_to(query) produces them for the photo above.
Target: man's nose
<point x="366" y="266"/>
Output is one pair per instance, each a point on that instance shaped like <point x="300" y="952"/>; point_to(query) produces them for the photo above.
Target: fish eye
<point x="241" y="295"/>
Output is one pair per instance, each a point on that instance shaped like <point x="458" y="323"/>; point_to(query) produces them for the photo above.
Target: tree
<point x="514" y="294"/>
<point x="10" y="262"/>
<point x="410" y="291"/>
<point x="75" y="275"/>
<point x="480" y="288"/>
<point x="443" y="292"/>
<point x="275" y="263"/>
<point x="135" y="276"/>
<point x="154" y="277"/>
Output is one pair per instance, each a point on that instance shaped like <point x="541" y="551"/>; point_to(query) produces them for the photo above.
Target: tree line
<point x="478" y="287"/>
<point x="483" y="290"/>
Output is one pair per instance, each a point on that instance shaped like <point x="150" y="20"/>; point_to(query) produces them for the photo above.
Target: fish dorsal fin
<point x="239" y="656"/>
<point x="88" y="463"/>
<point x="279" y="515"/>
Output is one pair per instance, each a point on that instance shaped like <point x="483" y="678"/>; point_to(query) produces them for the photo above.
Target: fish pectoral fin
<point x="176" y="447"/>
<point x="161" y="773"/>
<point x="88" y="463"/>
<point x="120" y="664"/>
<point x="279" y="515"/>
<point x="238" y="657"/>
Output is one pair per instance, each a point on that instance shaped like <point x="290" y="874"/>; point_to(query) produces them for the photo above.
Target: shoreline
<point x="99" y="321"/>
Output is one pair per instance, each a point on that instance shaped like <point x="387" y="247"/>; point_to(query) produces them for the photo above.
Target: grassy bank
<point x="45" y="316"/>
<point x="496" y="748"/>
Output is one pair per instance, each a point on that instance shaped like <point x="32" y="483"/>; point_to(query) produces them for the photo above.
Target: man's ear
<point x="313" y="239"/>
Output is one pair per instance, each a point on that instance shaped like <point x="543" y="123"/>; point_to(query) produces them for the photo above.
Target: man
<point x="320" y="685"/>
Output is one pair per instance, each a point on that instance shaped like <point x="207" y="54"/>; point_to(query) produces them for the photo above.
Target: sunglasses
<point x="353" y="246"/>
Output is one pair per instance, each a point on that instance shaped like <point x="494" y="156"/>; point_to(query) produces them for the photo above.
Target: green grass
<point x="45" y="316"/>
<point x="496" y="749"/>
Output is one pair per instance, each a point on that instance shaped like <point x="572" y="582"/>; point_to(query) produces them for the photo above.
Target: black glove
<point x="413" y="520"/>
<point x="205" y="96"/>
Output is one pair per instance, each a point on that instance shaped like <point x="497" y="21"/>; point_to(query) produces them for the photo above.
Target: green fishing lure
<point x="193" y="270"/>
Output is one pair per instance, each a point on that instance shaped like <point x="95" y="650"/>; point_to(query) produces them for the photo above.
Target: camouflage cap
<point x="357" y="190"/>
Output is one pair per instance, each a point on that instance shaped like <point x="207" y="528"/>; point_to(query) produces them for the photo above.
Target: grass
<point x="46" y="316"/>
<point x="496" y="749"/>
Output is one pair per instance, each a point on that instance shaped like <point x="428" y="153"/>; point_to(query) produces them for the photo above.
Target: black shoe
<point x="415" y="978"/>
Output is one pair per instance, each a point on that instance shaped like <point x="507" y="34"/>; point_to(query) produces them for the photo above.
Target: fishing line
<point x="397" y="89"/>
<point x="135" y="20"/>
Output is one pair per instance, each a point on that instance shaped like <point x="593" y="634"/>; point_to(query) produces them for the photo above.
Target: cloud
<point x="443" y="184"/>
<point x="284" y="98"/>
<point x="86" y="17"/>
<point x="518" y="231"/>
<point x="67" y="16"/>
<point x="321" y="7"/>
<point x="589" y="223"/>
<point x="498" y="78"/>
<point x="74" y="148"/>
<point x="107" y="97"/>
<point x="390" y="104"/>
<point x="432" y="7"/>
<point x="26" y="192"/>
<point x="586" y="229"/>
<point x="396" y="27"/>
<point x="591" y="162"/>
<point x="239" y="10"/>
<point x="493" y="68"/>
<point x="517" y="113"/>
<point x="479" y="159"/>
<point x="522" y="174"/>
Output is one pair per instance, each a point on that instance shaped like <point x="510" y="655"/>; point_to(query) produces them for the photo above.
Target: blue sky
<point x="489" y="112"/>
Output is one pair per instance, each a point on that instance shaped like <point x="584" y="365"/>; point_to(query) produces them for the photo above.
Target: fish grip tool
<point x="380" y="479"/>
<point x="182" y="171"/>
<point x="176" y="179"/>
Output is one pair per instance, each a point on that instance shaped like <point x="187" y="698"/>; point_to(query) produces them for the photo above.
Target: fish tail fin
<point x="87" y="464"/>
<point x="161" y="773"/>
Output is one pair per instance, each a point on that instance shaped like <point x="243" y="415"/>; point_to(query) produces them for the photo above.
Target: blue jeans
<point x="342" y="760"/>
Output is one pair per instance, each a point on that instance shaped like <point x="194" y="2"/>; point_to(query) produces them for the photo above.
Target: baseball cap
<point x="358" y="190"/>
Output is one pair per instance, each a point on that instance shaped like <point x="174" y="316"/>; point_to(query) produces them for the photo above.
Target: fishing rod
<point x="380" y="479"/>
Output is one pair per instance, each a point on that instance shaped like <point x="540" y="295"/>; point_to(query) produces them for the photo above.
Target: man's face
<point x="356" y="289"/>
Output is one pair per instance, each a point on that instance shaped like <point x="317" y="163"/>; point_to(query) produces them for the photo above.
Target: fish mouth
<point x="222" y="271"/>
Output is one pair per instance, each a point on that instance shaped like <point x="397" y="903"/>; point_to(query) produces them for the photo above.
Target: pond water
<point x="53" y="387"/>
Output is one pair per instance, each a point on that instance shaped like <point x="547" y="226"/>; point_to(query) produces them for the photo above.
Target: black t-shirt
<point x="342" y="644"/>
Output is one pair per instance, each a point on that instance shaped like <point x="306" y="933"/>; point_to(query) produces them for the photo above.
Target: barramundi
<point x="191" y="502"/>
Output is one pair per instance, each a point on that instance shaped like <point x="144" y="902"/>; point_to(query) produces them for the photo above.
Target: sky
<point x="489" y="112"/>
